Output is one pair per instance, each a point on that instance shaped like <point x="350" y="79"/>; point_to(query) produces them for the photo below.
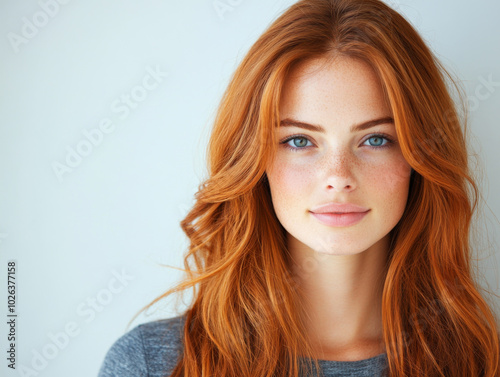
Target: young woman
<point x="332" y="234"/>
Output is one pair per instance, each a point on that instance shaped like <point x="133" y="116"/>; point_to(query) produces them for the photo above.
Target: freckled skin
<point x="339" y="165"/>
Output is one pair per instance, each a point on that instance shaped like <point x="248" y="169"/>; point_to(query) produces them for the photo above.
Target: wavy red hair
<point x="244" y="319"/>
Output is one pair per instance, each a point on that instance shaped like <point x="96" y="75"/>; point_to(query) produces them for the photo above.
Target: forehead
<point x="320" y="90"/>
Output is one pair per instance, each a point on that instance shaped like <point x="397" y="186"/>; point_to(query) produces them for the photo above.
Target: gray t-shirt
<point x="152" y="349"/>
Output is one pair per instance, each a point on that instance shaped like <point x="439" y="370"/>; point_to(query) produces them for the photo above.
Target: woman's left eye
<point x="378" y="141"/>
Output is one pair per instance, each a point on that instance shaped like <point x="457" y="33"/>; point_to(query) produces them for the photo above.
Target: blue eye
<point x="377" y="141"/>
<point x="298" y="142"/>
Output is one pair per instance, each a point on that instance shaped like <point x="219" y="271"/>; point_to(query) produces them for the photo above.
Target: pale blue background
<point x="119" y="210"/>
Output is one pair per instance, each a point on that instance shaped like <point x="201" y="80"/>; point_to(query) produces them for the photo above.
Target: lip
<point x="339" y="214"/>
<point x="339" y="208"/>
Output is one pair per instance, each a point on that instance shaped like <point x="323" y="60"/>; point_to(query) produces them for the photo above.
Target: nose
<point x="339" y="174"/>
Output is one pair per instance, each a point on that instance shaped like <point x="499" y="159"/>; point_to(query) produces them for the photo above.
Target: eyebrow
<point x="288" y="122"/>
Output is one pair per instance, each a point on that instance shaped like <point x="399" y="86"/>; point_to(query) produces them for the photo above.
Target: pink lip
<point x="338" y="208"/>
<point x="338" y="214"/>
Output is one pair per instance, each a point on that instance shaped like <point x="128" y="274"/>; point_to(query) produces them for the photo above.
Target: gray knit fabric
<point x="152" y="349"/>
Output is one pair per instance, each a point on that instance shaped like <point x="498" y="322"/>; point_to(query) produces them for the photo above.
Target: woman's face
<point x="334" y="155"/>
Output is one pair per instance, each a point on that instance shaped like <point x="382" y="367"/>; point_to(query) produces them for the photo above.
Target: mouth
<point x="340" y="219"/>
<point x="338" y="208"/>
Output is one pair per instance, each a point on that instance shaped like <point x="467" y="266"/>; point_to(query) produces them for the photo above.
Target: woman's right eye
<point x="296" y="143"/>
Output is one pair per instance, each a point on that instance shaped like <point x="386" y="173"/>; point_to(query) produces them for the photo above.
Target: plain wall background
<point x="117" y="212"/>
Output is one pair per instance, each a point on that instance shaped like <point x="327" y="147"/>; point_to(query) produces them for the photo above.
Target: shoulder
<point x="148" y="350"/>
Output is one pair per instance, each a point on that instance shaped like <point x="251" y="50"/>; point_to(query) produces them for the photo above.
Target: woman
<point x="333" y="230"/>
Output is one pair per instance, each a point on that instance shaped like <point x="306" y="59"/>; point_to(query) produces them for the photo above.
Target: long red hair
<point x="244" y="318"/>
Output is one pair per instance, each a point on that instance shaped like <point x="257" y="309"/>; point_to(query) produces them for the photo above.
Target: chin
<point x="344" y="246"/>
<point x="336" y="251"/>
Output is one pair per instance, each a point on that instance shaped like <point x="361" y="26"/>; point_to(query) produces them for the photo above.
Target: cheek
<point x="390" y="183"/>
<point x="287" y="183"/>
<point x="396" y="174"/>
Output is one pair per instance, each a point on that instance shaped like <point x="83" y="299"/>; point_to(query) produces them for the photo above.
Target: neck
<point x="342" y="299"/>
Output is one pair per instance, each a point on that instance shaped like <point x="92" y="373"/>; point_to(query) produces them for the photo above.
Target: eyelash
<point x="389" y="142"/>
